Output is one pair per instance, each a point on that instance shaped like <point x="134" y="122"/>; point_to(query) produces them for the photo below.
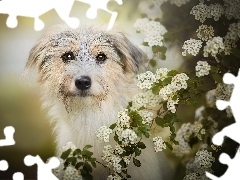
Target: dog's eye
<point x="101" y="57"/>
<point x="68" y="56"/>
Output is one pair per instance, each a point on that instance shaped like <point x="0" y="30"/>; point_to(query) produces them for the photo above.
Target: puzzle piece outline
<point x="230" y="131"/>
<point x="62" y="7"/>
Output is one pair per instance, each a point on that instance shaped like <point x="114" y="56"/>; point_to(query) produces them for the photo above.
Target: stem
<point x="101" y="164"/>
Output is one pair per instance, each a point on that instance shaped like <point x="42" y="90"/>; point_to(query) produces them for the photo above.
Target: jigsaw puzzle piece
<point x="18" y="176"/>
<point x="233" y="166"/>
<point x="8" y="132"/>
<point x="100" y="4"/>
<point x="3" y="165"/>
<point x="44" y="170"/>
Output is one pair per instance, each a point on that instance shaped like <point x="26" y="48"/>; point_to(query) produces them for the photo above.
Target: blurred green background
<point x="19" y="104"/>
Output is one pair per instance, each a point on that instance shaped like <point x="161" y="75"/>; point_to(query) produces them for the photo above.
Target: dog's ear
<point x="37" y="53"/>
<point x="133" y="58"/>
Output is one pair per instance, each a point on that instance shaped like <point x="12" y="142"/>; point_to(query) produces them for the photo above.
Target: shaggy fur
<point x="77" y="114"/>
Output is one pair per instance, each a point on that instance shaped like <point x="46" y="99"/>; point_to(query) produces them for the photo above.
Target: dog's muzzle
<point x="83" y="83"/>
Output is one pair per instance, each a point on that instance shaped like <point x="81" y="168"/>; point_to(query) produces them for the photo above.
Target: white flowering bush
<point x="207" y="33"/>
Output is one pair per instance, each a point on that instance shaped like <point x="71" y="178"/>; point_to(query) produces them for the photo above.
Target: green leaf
<point x="136" y="162"/>
<point x="83" y="171"/>
<point x="141" y="108"/>
<point x="88" y="146"/>
<point x="236" y="52"/>
<point x="141" y="145"/>
<point x="155" y="90"/>
<point x="145" y="44"/>
<point x="92" y="159"/>
<point x="137" y="152"/>
<point x="175" y="142"/>
<point x="88" y="177"/>
<point x="169" y="146"/>
<point x="217" y="77"/>
<point x="65" y="154"/>
<point x="93" y="164"/>
<point x="159" y="121"/>
<point x="113" y="126"/>
<point x="153" y="63"/>
<point x="174" y="97"/>
<point x="172" y="73"/>
<point x="175" y="119"/>
<point x="214" y="69"/>
<point x="79" y="164"/>
<point x="72" y="160"/>
<point x="76" y="152"/>
<point x="87" y="167"/>
<point x="161" y="49"/>
<point x="165" y="106"/>
<point x="87" y="153"/>
<point x="167" y="81"/>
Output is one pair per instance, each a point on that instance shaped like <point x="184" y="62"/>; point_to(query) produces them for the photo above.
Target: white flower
<point x="71" y="173"/>
<point x="216" y="10"/>
<point x="201" y="12"/>
<point x="152" y="30"/>
<point x="179" y="2"/>
<point x="192" y="46"/>
<point x="202" y="68"/>
<point x="232" y="9"/>
<point x="204" y="159"/>
<point x="146" y="80"/>
<point x="123" y="119"/>
<point x="103" y="134"/>
<point x="213" y="47"/>
<point x="161" y="73"/>
<point x="114" y="177"/>
<point x="159" y="144"/>
<point x="205" y="32"/>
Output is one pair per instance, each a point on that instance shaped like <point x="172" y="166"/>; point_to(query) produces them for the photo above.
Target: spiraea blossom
<point x="145" y="99"/>
<point x="201" y="12"/>
<point x="152" y="30"/>
<point x="72" y="173"/>
<point x="202" y="68"/>
<point x="179" y="2"/>
<point x="147" y="116"/>
<point x="205" y="32"/>
<point x="232" y="9"/>
<point x="232" y="37"/>
<point x="161" y="73"/>
<point x="123" y="118"/>
<point x="146" y="80"/>
<point x="159" y="144"/>
<point x="213" y="47"/>
<point x="111" y="159"/>
<point x="114" y="177"/>
<point x="204" y="159"/>
<point x="103" y="134"/>
<point x="216" y="10"/>
<point x="192" y="47"/>
<point x="168" y="92"/>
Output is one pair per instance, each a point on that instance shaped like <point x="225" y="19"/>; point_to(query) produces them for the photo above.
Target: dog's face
<point x="85" y="63"/>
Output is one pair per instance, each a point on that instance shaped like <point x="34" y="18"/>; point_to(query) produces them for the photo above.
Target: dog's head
<point x="85" y="63"/>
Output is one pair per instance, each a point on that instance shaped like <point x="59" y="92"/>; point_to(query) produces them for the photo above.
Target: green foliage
<point x="81" y="160"/>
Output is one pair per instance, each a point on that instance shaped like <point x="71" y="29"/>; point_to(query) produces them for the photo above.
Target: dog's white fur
<point x="76" y="116"/>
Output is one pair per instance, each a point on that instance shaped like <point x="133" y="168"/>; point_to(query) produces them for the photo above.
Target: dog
<point x="86" y="76"/>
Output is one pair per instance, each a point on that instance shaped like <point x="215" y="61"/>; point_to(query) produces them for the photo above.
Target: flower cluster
<point x="184" y="135"/>
<point x="111" y="159"/>
<point x="192" y="46"/>
<point x="213" y="47"/>
<point x="159" y="144"/>
<point x="147" y="116"/>
<point x="161" y="73"/>
<point x="146" y="80"/>
<point x="114" y="177"/>
<point x="145" y="99"/>
<point x="204" y="159"/>
<point x="202" y="68"/>
<point x="103" y="134"/>
<point x="232" y="9"/>
<point x="152" y="30"/>
<point x="223" y="92"/>
<point x="205" y="32"/>
<point x="201" y="12"/>
<point x="168" y="92"/>
<point x="232" y="37"/>
<point x="123" y="119"/>
<point x="216" y="10"/>
<point x="70" y="172"/>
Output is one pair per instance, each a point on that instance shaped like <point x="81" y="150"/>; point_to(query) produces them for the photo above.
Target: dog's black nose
<point x="83" y="83"/>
